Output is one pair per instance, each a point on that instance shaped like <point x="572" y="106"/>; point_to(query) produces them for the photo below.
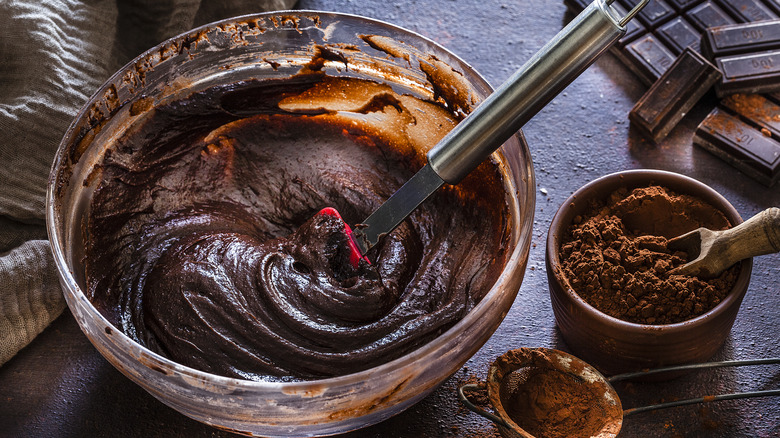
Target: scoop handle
<point x="528" y="90"/>
<point x="756" y="236"/>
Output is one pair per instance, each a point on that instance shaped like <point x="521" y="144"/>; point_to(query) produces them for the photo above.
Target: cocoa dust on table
<point x="615" y="256"/>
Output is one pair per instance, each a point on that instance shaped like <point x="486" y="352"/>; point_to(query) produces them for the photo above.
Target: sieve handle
<point x="705" y="399"/>
<point x="528" y="90"/>
<point x="474" y="408"/>
<point x="698" y="366"/>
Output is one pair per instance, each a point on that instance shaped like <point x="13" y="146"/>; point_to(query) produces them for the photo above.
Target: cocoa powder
<point x="549" y="400"/>
<point x="615" y="257"/>
<point x="552" y="404"/>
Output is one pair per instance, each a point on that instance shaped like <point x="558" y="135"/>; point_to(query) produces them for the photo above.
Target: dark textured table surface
<point x="60" y="386"/>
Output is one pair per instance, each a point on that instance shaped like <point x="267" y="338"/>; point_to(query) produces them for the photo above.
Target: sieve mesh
<point x="549" y="394"/>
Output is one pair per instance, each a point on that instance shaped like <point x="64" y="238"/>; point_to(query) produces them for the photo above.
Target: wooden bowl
<point x="613" y="345"/>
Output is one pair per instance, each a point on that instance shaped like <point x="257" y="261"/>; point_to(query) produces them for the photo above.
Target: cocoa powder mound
<point x="615" y="257"/>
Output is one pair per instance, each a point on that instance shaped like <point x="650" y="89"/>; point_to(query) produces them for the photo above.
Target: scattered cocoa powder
<point x="709" y="420"/>
<point x="615" y="257"/>
<point x="478" y="396"/>
<point x="754" y="106"/>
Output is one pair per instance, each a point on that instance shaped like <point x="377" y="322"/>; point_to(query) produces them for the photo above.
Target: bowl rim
<point x="517" y="258"/>
<point x="639" y="178"/>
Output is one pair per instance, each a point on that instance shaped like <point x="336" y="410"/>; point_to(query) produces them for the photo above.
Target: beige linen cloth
<point x="53" y="56"/>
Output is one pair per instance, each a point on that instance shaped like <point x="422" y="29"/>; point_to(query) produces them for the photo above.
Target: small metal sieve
<point x="539" y="392"/>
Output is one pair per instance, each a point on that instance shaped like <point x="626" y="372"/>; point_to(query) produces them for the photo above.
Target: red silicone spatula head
<point x="354" y="256"/>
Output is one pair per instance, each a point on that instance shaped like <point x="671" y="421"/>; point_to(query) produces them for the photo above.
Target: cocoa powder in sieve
<point x="552" y="404"/>
<point x="615" y="256"/>
<point x="551" y="395"/>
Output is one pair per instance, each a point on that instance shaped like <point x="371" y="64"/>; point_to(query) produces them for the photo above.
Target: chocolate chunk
<point x="748" y="55"/>
<point x="679" y="34"/>
<point x="707" y="15"/>
<point x="748" y="10"/>
<point x="742" y="143"/>
<point x="734" y="39"/>
<point x="751" y="73"/>
<point x="673" y="95"/>
<point x="649" y="58"/>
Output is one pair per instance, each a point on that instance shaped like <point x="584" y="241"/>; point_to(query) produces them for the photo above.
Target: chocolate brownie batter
<point x="204" y="246"/>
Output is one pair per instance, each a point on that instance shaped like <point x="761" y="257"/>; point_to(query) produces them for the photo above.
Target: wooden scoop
<point x="714" y="251"/>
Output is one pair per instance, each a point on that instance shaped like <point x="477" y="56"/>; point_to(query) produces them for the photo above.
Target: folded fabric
<point x="53" y="56"/>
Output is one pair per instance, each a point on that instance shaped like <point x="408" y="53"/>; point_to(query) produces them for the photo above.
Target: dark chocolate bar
<point x="707" y="15"/>
<point x="735" y="39"/>
<point x="669" y="29"/>
<point x="673" y="95"/>
<point x="648" y="57"/>
<point x="663" y="28"/>
<point x="751" y="73"/>
<point x="748" y="10"/>
<point x="743" y="138"/>
<point x="679" y="34"/>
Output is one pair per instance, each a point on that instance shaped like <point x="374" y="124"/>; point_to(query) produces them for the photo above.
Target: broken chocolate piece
<point x="679" y="34"/>
<point x="748" y="10"/>
<point x="650" y="58"/>
<point x="735" y="39"/>
<point x="749" y="73"/>
<point x="747" y="54"/>
<point x="708" y="15"/>
<point x="673" y="95"/>
<point x="744" y="139"/>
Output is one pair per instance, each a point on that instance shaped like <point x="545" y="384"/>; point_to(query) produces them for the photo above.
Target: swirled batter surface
<point x="204" y="246"/>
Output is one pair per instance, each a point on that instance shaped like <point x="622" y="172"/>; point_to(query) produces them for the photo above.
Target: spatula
<point x="502" y="114"/>
<point x="712" y="252"/>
